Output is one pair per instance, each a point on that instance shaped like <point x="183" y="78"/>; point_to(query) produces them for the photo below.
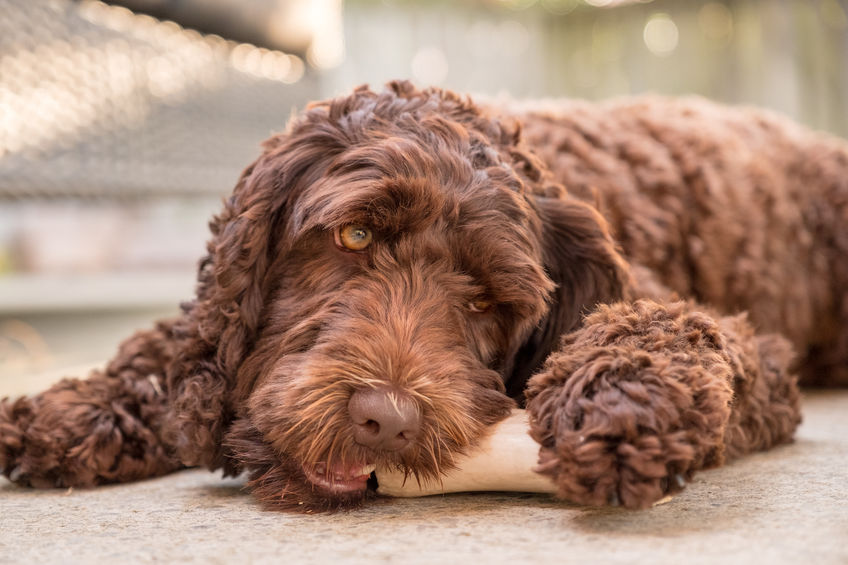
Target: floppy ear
<point x="581" y="258"/>
<point x="219" y="328"/>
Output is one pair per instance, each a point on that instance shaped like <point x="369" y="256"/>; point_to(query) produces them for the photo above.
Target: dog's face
<point x="386" y="262"/>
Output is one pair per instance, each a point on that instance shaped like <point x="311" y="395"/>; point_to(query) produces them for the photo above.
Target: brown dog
<point x="399" y="269"/>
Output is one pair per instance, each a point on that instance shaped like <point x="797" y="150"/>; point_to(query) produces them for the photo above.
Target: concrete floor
<point x="784" y="506"/>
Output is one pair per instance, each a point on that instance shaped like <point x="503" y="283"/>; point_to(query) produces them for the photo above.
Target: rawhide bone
<point x="502" y="462"/>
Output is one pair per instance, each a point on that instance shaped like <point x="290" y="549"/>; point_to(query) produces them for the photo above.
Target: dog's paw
<point x="39" y="447"/>
<point x="15" y="418"/>
<point x="81" y="433"/>
<point x="619" y="426"/>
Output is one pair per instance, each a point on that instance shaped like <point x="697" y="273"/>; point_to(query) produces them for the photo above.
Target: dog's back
<point x="734" y="207"/>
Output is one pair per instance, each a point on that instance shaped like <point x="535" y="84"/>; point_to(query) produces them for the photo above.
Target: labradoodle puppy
<point x="399" y="269"/>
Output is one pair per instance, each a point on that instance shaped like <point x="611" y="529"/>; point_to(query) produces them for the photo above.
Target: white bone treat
<point x="503" y="462"/>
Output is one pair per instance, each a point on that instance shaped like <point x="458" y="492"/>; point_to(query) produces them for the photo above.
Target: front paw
<point x="32" y="451"/>
<point x="82" y="433"/>
<point x="15" y="418"/>
<point x="627" y="422"/>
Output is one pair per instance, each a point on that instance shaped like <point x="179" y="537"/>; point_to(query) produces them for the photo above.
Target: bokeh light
<point x="716" y="23"/>
<point x="833" y="14"/>
<point x="660" y="35"/>
<point x="430" y="66"/>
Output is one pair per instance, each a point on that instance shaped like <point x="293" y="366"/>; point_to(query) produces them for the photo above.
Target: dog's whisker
<point x="435" y="456"/>
<point x="323" y="396"/>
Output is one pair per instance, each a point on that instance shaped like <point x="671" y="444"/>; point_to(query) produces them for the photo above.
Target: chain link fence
<point x="96" y="101"/>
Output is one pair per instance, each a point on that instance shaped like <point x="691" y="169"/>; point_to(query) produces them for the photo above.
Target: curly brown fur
<point x="644" y="394"/>
<point x="507" y="242"/>
<point x="733" y="207"/>
<point x="104" y="429"/>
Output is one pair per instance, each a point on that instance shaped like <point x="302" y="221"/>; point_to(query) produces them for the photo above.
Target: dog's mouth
<point x="339" y="479"/>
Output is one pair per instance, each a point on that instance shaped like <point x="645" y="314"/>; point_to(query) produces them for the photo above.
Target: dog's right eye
<point x="353" y="237"/>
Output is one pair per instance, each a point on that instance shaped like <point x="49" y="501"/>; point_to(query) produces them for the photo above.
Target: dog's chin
<point x="281" y="482"/>
<point x="287" y="485"/>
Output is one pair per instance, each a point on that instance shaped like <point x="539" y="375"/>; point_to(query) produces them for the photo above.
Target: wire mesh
<point x="96" y="101"/>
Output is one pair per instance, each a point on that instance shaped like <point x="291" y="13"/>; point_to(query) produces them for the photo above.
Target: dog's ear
<point x="219" y="328"/>
<point x="581" y="257"/>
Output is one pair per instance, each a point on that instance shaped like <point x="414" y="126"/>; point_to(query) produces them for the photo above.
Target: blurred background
<point x="123" y="124"/>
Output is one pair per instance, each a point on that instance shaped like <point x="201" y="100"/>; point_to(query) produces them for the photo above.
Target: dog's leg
<point x="645" y="394"/>
<point x="103" y="429"/>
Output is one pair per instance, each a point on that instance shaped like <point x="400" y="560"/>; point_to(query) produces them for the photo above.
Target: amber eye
<point x="479" y="305"/>
<point x="354" y="237"/>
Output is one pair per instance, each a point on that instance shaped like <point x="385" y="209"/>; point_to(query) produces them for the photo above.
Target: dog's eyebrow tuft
<point x="389" y="206"/>
<point x="395" y="186"/>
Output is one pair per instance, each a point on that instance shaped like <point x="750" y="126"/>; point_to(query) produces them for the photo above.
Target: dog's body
<point x="734" y="208"/>
<point x="397" y="270"/>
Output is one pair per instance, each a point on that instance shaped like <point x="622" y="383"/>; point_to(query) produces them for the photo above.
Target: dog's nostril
<point x="372" y="427"/>
<point x="383" y="419"/>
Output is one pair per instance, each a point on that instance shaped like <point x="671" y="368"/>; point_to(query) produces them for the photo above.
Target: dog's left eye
<point x="479" y="305"/>
<point x="354" y="237"/>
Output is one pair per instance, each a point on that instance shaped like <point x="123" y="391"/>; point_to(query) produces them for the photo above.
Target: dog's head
<point x="382" y="276"/>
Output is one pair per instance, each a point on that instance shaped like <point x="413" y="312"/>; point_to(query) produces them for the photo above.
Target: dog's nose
<point x="383" y="419"/>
